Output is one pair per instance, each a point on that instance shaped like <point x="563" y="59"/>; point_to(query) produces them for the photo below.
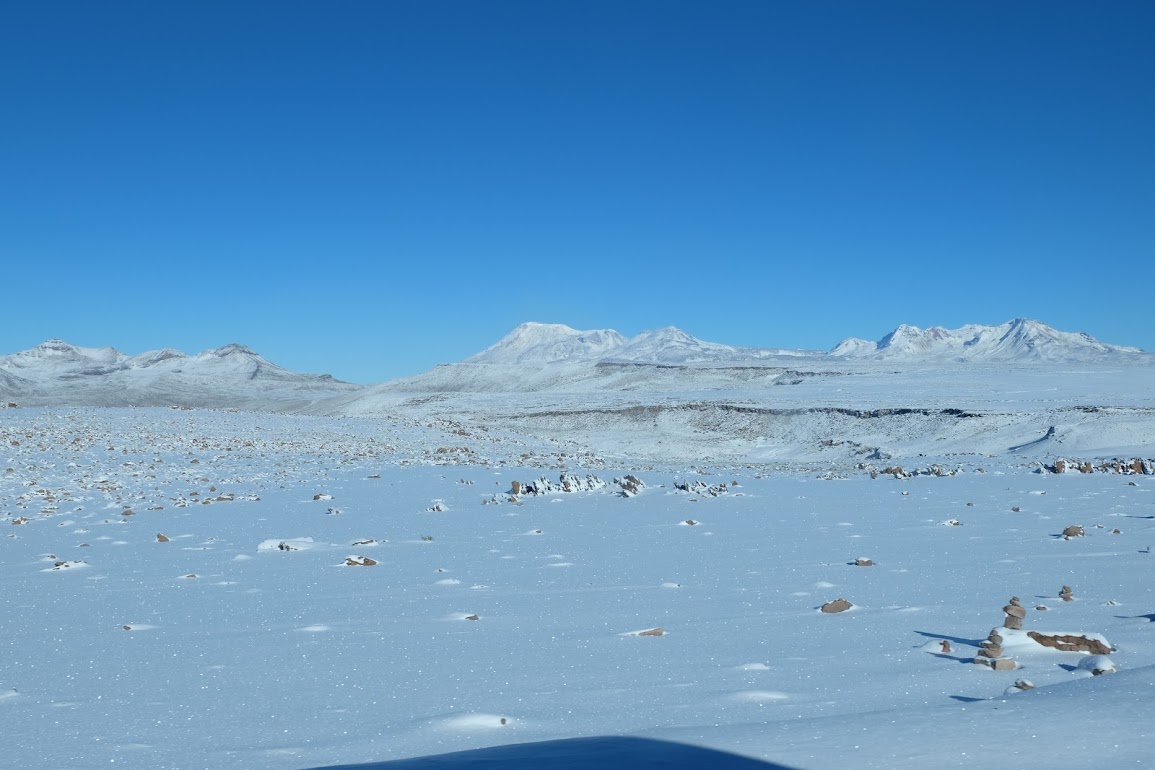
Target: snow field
<point x="218" y="647"/>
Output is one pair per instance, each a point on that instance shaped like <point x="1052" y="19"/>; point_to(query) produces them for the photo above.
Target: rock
<point x="1070" y="643"/>
<point x="1073" y="531"/>
<point x="1015" y="509"/>
<point x="1097" y="665"/>
<point x="1066" y="594"/>
<point x="991" y="652"/>
<point x="995" y="637"/>
<point x="1004" y="664"/>
<point x="359" y="561"/>
<point x="515" y="488"/>
<point x="838" y="605"/>
<point x="473" y="617"/>
<point x="944" y="645"/>
<point x="1013" y="623"/>
<point x="860" y="562"/>
<point x="1015" y="611"/>
<point x="1023" y="684"/>
<point x="1041" y="607"/>
<point x="1060" y="466"/>
<point x="160" y="538"/>
<point x="659" y="631"/>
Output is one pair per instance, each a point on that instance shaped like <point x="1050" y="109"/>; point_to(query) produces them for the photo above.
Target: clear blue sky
<point x="371" y="188"/>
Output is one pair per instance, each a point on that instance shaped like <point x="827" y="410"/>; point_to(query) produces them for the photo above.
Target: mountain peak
<point x="538" y="343"/>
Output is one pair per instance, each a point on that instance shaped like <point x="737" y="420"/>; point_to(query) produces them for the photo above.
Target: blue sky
<point x="372" y="188"/>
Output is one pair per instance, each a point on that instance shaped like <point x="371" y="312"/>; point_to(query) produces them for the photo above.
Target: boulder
<point x="1070" y="643"/>
<point x="838" y="605"/>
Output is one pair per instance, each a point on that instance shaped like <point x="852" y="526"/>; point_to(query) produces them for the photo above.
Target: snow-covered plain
<point x="367" y="576"/>
<point x="216" y="648"/>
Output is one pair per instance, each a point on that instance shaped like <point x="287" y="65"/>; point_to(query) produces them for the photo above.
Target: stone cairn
<point x="1067" y="594"/>
<point x="991" y="653"/>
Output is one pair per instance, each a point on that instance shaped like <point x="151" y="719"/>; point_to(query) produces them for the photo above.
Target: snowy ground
<point x="217" y="647"/>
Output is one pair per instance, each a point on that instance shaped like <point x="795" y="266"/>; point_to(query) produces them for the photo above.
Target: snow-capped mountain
<point x="1019" y="340"/>
<point x="56" y="372"/>
<point x="539" y="344"/>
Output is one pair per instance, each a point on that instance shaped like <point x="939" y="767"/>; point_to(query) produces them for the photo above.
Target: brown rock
<point x="1015" y="601"/>
<point x="1013" y="623"/>
<point x="838" y="605"/>
<point x="659" y="631"/>
<point x="360" y="561"/>
<point x="1015" y="611"/>
<point x="1060" y="466"/>
<point x="160" y="538"/>
<point x="995" y="637"/>
<point x="1086" y="467"/>
<point x="863" y="563"/>
<point x="1073" y="531"/>
<point x="1023" y="684"/>
<point x="991" y="652"/>
<point x="944" y="645"/>
<point x="515" y="488"/>
<point x="1004" y="664"/>
<point x="1070" y="643"/>
<point x="1066" y="594"/>
<point x="473" y="617"/>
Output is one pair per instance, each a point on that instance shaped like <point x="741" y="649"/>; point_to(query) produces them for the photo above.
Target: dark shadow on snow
<point x="1036" y="442"/>
<point x="955" y="639"/>
<point x="966" y="699"/>
<point x="968" y="660"/>
<point x="603" y="753"/>
<point x="1150" y="618"/>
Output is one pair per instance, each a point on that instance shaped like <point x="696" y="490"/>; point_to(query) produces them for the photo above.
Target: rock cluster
<point x="1066" y="594"/>
<point x="701" y="488"/>
<point x="630" y="485"/>
<point x="567" y="482"/>
<point x="1135" y="466"/>
<point x="1014" y="614"/>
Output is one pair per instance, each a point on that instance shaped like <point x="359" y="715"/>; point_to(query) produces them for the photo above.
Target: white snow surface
<point x="215" y="648"/>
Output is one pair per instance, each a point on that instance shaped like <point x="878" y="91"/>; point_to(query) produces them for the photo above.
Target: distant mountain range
<point x="532" y="357"/>
<point x="1018" y="340"/>
<point x="232" y="376"/>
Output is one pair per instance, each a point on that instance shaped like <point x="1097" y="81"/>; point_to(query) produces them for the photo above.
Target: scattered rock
<point x="838" y="605"/>
<point x="359" y="561"/>
<point x="1097" y="665"/>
